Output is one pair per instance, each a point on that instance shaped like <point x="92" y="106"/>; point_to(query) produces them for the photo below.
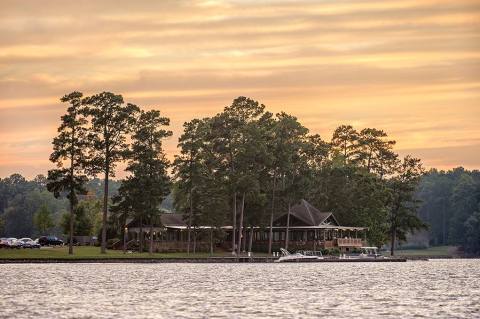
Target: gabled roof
<point x="167" y="219"/>
<point x="311" y="216"/>
<point x="172" y="219"/>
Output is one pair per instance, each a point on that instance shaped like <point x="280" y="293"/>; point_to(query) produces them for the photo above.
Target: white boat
<point x="365" y="253"/>
<point x="299" y="256"/>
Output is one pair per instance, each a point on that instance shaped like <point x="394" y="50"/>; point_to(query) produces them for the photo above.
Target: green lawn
<point x="432" y="251"/>
<point x="89" y="252"/>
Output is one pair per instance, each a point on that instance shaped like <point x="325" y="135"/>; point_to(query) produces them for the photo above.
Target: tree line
<point x="240" y="167"/>
<point x="28" y="209"/>
<point x="450" y="204"/>
<point x="253" y="164"/>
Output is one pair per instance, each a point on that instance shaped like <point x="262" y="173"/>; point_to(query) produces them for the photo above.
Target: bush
<point x="112" y="241"/>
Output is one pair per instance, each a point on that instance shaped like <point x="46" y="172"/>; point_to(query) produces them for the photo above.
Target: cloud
<point x="409" y="67"/>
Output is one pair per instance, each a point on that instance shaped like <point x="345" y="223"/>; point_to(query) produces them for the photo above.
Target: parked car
<point x="13" y="243"/>
<point x="50" y="241"/>
<point x="28" y="243"/>
<point x="4" y="243"/>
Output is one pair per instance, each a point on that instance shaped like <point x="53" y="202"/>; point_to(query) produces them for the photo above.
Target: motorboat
<point x="299" y="256"/>
<point x="365" y="253"/>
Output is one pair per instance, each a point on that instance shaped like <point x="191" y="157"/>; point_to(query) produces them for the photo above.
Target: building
<point x="170" y="236"/>
<point x="308" y="228"/>
<point x="311" y="229"/>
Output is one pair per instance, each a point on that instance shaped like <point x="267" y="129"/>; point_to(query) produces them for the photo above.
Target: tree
<point x="464" y="200"/>
<point x="402" y="203"/>
<point x="111" y="121"/>
<point x="83" y="225"/>
<point x="344" y="141"/>
<point x="148" y="165"/>
<point x="43" y="220"/>
<point x="188" y="168"/>
<point x="123" y="207"/>
<point x="253" y="158"/>
<point x="69" y="146"/>
<point x="228" y="135"/>
<point x="472" y="233"/>
<point x="286" y="144"/>
<point x="449" y="199"/>
<point x="375" y="153"/>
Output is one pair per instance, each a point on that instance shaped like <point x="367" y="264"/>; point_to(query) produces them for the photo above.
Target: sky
<point x="411" y="68"/>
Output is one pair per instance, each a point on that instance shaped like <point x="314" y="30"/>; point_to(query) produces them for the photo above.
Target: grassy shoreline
<point x="93" y="253"/>
<point x="87" y="252"/>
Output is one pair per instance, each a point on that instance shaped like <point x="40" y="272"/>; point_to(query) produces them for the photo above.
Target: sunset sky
<point x="411" y="68"/>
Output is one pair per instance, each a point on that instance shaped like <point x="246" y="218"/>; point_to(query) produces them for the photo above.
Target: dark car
<point x="50" y="241"/>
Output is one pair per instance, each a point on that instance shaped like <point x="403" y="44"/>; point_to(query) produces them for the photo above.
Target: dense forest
<point x="241" y="167"/>
<point x="450" y="205"/>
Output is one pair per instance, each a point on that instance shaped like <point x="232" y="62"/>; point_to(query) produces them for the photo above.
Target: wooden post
<point x="125" y="234"/>
<point x="251" y="240"/>
<point x="240" y="225"/>
<point x="211" y="240"/>
<point x="150" y="249"/>
<point x="194" y="240"/>
<point x="270" y="233"/>
<point x="234" y="223"/>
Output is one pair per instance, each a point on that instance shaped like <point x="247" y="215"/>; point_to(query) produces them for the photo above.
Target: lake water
<point x="440" y="289"/>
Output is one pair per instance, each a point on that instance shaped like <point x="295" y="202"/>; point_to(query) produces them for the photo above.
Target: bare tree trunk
<point x="251" y="239"/>
<point x="150" y="249"/>
<point x="444" y="224"/>
<point x="234" y="222"/>
<point x="270" y="233"/>
<point x="194" y="240"/>
<point x="288" y="226"/>
<point x="190" y="223"/>
<point x="392" y="241"/>
<point x="240" y="225"/>
<point x="72" y="219"/>
<point x="103" y="249"/>
<point x="140" y="238"/>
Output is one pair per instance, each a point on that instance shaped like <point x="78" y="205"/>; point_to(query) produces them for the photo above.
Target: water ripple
<point x="440" y="289"/>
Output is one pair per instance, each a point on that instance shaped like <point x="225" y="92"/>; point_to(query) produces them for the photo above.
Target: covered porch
<point x="313" y="237"/>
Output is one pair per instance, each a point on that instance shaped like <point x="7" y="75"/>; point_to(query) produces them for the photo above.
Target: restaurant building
<point x="308" y="229"/>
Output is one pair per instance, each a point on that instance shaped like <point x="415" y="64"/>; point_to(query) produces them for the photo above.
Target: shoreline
<point x="201" y="260"/>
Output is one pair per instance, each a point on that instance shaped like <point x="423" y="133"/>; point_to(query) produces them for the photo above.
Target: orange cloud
<point x="409" y="67"/>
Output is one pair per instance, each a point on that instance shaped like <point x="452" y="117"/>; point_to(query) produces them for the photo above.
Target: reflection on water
<point x="443" y="289"/>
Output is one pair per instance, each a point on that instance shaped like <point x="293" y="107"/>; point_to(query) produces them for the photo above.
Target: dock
<point x="226" y="259"/>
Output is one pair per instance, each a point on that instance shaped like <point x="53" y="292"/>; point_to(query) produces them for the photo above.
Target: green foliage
<point x="69" y="156"/>
<point x="142" y="193"/>
<point x="110" y="123"/>
<point x="69" y="152"/>
<point x="43" y="220"/>
<point x="26" y="198"/>
<point x="472" y="233"/>
<point x="402" y="204"/>
<point x="449" y="199"/>
<point x="264" y="163"/>
<point x="83" y="224"/>
<point x="241" y="167"/>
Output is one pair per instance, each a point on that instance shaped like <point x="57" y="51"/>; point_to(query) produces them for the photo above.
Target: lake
<point x="439" y="288"/>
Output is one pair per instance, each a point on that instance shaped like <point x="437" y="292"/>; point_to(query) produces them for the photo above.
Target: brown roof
<point x="311" y="216"/>
<point x="167" y="219"/>
<point x="172" y="219"/>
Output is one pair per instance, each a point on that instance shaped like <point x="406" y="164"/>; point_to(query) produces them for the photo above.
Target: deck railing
<point x="349" y="242"/>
